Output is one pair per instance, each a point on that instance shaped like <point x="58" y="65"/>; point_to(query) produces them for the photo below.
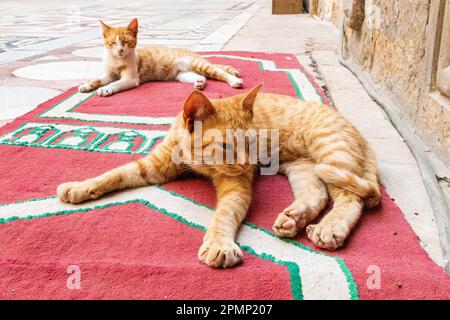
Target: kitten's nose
<point x="121" y="50"/>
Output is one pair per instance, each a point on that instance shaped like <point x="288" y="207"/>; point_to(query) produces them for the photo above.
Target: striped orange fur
<point x="321" y="153"/>
<point x="127" y="66"/>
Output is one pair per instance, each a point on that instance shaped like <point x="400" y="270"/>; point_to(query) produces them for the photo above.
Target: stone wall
<point x="391" y="46"/>
<point x="330" y="10"/>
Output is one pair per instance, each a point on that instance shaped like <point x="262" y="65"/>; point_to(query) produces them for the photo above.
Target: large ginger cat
<point x="126" y="66"/>
<point x="321" y="153"/>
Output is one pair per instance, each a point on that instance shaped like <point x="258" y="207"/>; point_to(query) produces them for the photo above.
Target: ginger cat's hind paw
<point x="328" y="235"/>
<point x="221" y="253"/>
<point x="289" y="222"/>
<point x="74" y="192"/>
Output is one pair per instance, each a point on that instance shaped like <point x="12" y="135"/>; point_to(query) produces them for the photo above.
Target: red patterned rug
<point x="142" y="244"/>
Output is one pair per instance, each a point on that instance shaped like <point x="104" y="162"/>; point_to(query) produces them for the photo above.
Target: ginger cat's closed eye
<point x="126" y="66"/>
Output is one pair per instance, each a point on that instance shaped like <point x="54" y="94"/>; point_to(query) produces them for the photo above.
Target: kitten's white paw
<point x="200" y="84"/>
<point x="105" y="91"/>
<point x="220" y="253"/>
<point x="85" y="88"/>
<point x="328" y="235"/>
<point x="235" y="82"/>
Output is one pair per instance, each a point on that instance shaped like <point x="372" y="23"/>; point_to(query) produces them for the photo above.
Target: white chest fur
<point x="120" y="67"/>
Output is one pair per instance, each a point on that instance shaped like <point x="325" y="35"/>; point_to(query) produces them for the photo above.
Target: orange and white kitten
<point x="126" y="66"/>
<point x="321" y="153"/>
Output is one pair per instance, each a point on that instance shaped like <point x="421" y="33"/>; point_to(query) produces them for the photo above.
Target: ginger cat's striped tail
<point x="218" y="72"/>
<point x="363" y="187"/>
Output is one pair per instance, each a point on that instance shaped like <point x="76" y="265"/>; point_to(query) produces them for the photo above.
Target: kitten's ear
<point x="105" y="27"/>
<point x="196" y="107"/>
<point x="249" y="98"/>
<point x="133" y="26"/>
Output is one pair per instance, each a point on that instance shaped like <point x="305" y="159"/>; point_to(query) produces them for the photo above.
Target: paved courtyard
<point x="46" y="48"/>
<point x="43" y="52"/>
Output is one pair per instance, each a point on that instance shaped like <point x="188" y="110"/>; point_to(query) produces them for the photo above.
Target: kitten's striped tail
<point x="229" y="69"/>
<point x="367" y="190"/>
<point x="218" y="72"/>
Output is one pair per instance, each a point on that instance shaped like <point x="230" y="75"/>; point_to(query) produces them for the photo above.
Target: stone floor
<point x="43" y="52"/>
<point x="56" y="48"/>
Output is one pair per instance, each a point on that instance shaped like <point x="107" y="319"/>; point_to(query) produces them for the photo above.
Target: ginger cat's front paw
<point x="220" y="253"/>
<point x="328" y="235"/>
<point x="75" y="192"/>
<point x="289" y="222"/>
<point x="105" y="91"/>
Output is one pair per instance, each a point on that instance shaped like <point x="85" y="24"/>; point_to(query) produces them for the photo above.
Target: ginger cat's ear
<point x="133" y="26"/>
<point x="196" y="107"/>
<point x="249" y="98"/>
<point x="105" y="27"/>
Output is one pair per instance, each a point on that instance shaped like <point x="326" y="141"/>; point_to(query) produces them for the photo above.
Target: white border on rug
<point x="322" y="276"/>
